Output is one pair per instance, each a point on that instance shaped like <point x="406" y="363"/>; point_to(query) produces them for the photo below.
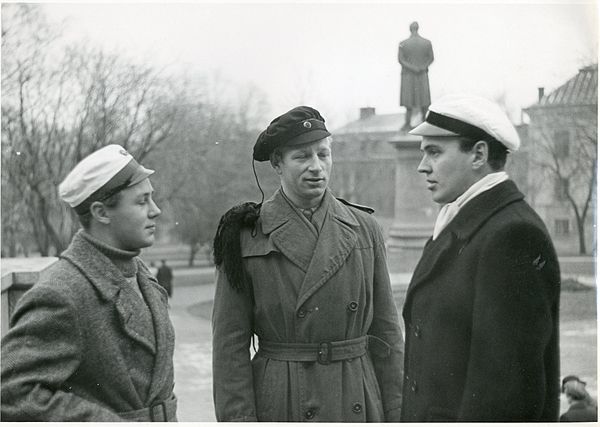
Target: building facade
<point x="562" y="151"/>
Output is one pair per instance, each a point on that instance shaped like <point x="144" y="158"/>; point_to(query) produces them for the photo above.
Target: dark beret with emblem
<point x="300" y="125"/>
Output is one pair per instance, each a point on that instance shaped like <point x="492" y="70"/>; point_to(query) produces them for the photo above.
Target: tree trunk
<point x="581" y="231"/>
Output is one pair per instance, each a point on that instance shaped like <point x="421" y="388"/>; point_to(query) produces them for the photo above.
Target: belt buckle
<point x="156" y="418"/>
<point x="324" y="353"/>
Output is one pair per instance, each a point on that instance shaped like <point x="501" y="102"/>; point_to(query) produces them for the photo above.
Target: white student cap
<point x="100" y="175"/>
<point x="469" y="116"/>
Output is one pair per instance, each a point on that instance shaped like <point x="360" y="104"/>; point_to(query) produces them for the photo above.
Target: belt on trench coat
<point x="323" y="352"/>
<point x="159" y="412"/>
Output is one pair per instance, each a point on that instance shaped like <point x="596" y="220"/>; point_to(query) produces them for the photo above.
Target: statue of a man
<point x="415" y="54"/>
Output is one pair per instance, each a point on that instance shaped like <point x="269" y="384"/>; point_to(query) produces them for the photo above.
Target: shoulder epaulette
<point x="227" y="251"/>
<point x="354" y="205"/>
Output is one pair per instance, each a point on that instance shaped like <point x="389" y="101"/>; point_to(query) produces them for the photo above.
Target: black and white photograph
<point x="299" y="211"/>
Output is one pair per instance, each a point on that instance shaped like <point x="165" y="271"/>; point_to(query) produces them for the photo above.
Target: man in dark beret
<point x="305" y="274"/>
<point x="92" y="340"/>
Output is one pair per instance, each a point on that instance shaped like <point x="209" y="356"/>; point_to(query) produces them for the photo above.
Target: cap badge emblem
<point x="307" y="124"/>
<point x="123" y="152"/>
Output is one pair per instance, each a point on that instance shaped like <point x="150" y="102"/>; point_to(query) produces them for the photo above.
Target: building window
<point x="561" y="186"/>
<point x="561" y="143"/>
<point x="561" y="227"/>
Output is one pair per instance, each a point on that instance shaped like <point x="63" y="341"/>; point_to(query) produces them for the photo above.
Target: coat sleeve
<point x="386" y="326"/>
<point x="233" y="386"/>
<point x="404" y="61"/>
<point x="40" y="352"/>
<point x="428" y="57"/>
<point x="515" y="322"/>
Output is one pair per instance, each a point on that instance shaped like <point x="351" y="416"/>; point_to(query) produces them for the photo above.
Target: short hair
<point x="497" y="152"/>
<point x="575" y="390"/>
<point x="110" y="202"/>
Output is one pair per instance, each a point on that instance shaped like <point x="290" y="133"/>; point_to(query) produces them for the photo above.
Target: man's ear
<point x="275" y="163"/>
<point x="99" y="212"/>
<point x="480" y="154"/>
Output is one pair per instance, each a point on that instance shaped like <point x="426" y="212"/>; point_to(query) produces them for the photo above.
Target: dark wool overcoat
<point x="580" y="411"/>
<point x="415" y="54"/>
<point x="481" y="317"/>
<point x="82" y="346"/>
<point x="337" y="290"/>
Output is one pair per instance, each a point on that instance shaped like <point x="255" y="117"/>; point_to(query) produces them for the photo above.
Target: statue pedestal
<point x="414" y="211"/>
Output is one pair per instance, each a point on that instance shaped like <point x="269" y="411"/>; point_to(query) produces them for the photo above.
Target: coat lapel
<point x="435" y="252"/>
<point x="157" y="303"/>
<point x="109" y="282"/>
<point x="336" y="240"/>
<point x="287" y="231"/>
<point x="458" y="232"/>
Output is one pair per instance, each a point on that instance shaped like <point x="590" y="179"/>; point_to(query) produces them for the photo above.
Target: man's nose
<point x="315" y="163"/>
<point x="154" y="209"/>
<point x="423" y="166"/>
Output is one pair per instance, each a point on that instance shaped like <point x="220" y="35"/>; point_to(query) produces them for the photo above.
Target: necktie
<point x="308" y="214"/>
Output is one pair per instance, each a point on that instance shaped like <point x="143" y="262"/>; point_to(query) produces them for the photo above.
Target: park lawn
<point x="574" y="305"/>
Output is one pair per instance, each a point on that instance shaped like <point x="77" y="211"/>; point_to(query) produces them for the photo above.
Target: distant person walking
<point x="582" y="406"/>
<point x="415" y="54"/>
<point x="165" y="277"/>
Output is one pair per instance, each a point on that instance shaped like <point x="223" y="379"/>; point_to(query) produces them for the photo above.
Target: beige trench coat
<point x="338" y="292"/>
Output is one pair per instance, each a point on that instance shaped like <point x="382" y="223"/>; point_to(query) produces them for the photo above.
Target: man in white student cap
<point x="92" y="339"/>
<point x="481" y="310"/>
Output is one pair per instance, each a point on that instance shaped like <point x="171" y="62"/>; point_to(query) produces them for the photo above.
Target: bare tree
<point x="57" y="110"/>
<point x="206" y="164"/>
<point x="567" y="157"/>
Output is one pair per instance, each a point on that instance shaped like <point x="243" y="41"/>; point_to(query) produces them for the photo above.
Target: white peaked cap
<point x="469" y="116"/>
<point x="101" y="174"/>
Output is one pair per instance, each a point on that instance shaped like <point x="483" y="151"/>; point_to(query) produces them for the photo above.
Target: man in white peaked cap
<point x="92" y="339"/>
<point x="481" y="310"/>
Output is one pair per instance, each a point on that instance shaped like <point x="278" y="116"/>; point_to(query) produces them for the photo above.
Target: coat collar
<point x="276" y="211"/>
<point x="461" y="229"/>
<point x="321" y="258"/>
<point x="109" y="282"/>
<point x="477" y="211"/>
<point x="102" y="273"/>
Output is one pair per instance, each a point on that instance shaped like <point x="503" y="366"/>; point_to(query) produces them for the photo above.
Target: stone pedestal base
<point x="414" y="211"/>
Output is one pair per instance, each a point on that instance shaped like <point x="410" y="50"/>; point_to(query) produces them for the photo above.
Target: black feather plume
<point x="227" y="251"/>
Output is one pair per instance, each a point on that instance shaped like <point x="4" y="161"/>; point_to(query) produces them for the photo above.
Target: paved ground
<point x="193" y="377"/>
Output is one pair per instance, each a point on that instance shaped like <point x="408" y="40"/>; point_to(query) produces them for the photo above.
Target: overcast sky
<point x="340" y="56"/>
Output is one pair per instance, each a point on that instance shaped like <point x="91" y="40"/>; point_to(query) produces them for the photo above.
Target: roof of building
<point x="376" y="123"/>
<point x="579" y="90"/>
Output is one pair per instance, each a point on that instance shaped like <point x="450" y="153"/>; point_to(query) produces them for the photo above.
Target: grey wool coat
<point x="301" y="293"/>
<point x="481" y="317"/>
<point x="82" y="346"/>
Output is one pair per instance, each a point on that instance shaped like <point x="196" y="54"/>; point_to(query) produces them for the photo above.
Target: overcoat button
<point x="301" y="312"/>
<point x="357" y="408"/>
<point x="417" y="331"/>
<point x="414" y="387"/>
<point x="309" y="414"/>
<point x="353" y="306"/>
